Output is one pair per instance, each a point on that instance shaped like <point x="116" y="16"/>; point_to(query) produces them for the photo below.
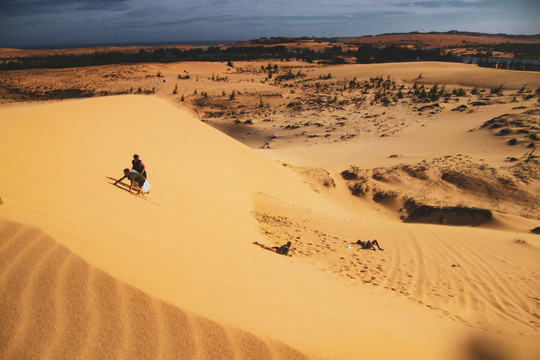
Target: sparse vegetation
<point x="530" y="156"/>
<point x="498" y="90"/>
<point x="459" y="92"/>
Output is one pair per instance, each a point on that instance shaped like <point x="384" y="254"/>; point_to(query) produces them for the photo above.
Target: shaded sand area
<point x="90" y="271"/>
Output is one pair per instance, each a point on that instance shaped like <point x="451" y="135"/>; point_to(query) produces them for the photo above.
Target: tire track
<point x="419" y="282"/>
<point x="394" y="277"/>
<point x="482" y="286"/>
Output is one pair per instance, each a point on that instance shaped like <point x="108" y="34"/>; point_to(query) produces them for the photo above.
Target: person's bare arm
<point x="122" y="178"/>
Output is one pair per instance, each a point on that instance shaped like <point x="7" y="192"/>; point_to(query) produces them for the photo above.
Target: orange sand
<point x="126" y="278"/>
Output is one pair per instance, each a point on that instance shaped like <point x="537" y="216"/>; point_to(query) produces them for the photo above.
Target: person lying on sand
<point x="283" y="249"/>
<point x="368" y="244"/>
<point x="136" y="179"/>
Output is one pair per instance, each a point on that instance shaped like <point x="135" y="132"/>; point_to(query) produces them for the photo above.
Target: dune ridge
<point x="54" y="305"/>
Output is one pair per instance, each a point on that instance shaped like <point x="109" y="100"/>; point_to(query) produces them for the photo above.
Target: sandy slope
<point x="442" y="73"/>
<point x="194" y="251"/>
<point x="55" y="305"/>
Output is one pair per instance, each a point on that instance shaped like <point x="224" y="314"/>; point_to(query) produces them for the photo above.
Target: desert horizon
<point x="435" y="160"/>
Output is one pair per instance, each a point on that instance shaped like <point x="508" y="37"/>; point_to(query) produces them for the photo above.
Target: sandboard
<point x="125" y="187"/>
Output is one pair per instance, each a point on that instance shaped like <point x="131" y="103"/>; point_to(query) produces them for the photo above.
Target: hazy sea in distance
<point x="122" y="44"/>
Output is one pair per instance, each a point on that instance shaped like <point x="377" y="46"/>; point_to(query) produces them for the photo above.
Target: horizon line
<point x="213" y="42"/>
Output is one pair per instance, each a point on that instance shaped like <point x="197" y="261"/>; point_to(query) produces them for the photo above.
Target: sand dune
<point x="54" y="305"/>
<point x="189" y="264"/>
<point x="442" y="73"/>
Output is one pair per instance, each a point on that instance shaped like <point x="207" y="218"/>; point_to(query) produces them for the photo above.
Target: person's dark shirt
<point x="137" y="166"/>
<point x="134" y="176"/>
<point x="283" y="249"/>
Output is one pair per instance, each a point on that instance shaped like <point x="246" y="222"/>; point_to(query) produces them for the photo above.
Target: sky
<point x="56" y="23"/>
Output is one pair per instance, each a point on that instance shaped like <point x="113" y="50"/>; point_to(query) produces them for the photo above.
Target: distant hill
<point x="438" y="39"/>
<point x="452" y="46"/>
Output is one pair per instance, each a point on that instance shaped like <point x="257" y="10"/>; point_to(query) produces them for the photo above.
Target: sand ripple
<point x="54" y="305"/>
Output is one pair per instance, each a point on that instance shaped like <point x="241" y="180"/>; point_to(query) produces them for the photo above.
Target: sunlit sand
<point x="89" y="271"/>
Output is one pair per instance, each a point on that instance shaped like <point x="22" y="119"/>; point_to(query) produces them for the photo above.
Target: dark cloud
<point x="441" y="4"/>
<point x="28" y="22"/>
<point x="14" y="8"/>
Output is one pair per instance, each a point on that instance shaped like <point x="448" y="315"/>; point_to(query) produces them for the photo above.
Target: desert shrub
<point x="325" y="77"/>
<point x="498" y="90"/>
<point x="460" y="92"/>
<point x="287" y="76"/>
<point x="433" y="94"/>
<point x="354" y="169"/>
<point x="348" y="175"/>
<point x="382" y="196"/>
<point x="504" y="132"/>
<point x="358" y="189"/>
<point x="377" y="175"/>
